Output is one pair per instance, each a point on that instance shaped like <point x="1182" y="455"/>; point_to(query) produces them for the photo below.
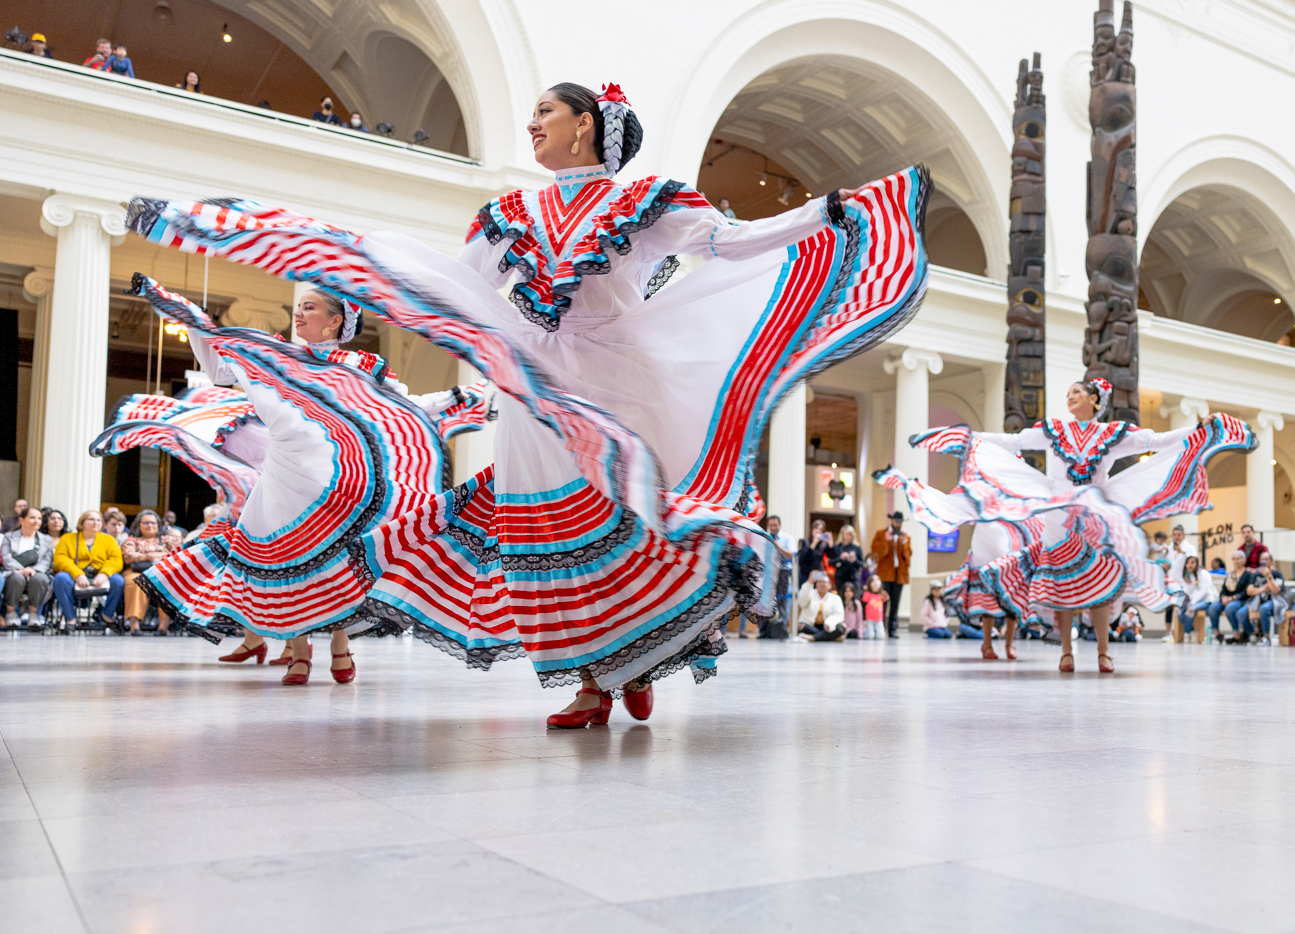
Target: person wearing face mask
<point x="343" y="445"/>
<point x="325" y="112"/>
<point x="614" y="534"/>
<point x="1090" y="554"/>
<point x="357" y="122"/>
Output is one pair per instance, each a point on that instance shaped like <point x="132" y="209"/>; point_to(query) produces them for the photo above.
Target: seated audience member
<point x="1199" y="587"/>
<point x="1216" y="564"/>
<point x="118" y="63"/>
<point x="39" y="47"/>
<point x="874" y="599"/>
<point x="139" y="551"/>
<point x="209" y="514"/>
<point x="1267" y="599"/>
<point x="1233" y="599"/>
<point x="726" y="209"/>
<point x="847" y="559"/>
<point x="1158" y="550"/>
<point x="86" y="558"/>
<point x="12" y="522"/>
<point x="1128" y="627"/>
<point x="174" y="536"/>
<point x="325" y="112"/>
<point x="114" y="523"/>
<point x="102" y="52"/>
<point x="192" y="83"/>
<point x="823" y="610"/>
<point x="855" y="627"/>
<point x="168" y="523"/>
<point x="27" y="556"/>
<point x="55" y="523"/>
<point x="357" y="122"/>
<point x="935" y="622"/>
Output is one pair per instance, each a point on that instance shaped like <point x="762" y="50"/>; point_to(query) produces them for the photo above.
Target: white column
<point x="785" y="497"/>
<point x="912" y="371"/>
<point x="1261" y="506"/>
<point x="87" y="229"/>
<point x="258" y="313"/>
<point x="993" y="412"/>
<point x="37" y="288"/>
<point x="474" y="451"/>
<point x="1185" y="413"/>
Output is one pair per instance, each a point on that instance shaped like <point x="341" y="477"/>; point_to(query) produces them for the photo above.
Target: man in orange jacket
<point x="893" y="550"/>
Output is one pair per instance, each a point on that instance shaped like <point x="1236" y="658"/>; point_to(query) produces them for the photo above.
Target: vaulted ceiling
<point x="376" y="56"/>
<point x="1219" y="258"/>
<point x="838" y="122"/>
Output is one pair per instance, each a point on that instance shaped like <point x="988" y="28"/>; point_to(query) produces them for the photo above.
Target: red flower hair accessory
<point x="613" y="93"/>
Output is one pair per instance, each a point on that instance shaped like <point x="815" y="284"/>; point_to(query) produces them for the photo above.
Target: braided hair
<point x="581" y="100"/>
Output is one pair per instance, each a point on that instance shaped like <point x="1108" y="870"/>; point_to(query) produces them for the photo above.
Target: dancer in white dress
<point x="1091" y="553"/>
<point x="611" y="538"/>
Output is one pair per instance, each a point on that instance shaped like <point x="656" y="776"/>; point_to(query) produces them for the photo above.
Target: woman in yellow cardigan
<point x="88" y="557"/>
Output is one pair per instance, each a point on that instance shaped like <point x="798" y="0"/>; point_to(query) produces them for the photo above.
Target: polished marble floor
<point x="897" y="787"/>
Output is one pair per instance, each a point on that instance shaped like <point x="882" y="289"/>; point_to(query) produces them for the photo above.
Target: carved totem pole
<point x="1026" y="316"/>
<point x="1111" y="339"/>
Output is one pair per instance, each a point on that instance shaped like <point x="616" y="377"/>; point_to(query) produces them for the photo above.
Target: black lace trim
<point x="576" y="557"/>
<point x="480" y="658"/>
<point x="143" y="213"/>
<point x="661" y="276"/>
<point x="592" y="267"/>
<point x="835" y="213"/>
<point x="904" y="314"/>
<point x="736" y="584"/>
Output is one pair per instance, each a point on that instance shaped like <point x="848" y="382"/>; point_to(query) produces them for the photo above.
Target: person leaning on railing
<point x="86" y="558"/>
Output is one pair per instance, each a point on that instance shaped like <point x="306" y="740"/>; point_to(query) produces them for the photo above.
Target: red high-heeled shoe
<point x="638" y="703"/>
<point x="287" y="659"/>
<point x="577" y="719"/>
<point x="290" y="678"/>
<point x="344" y="675"/>
<point x="1064" y="665"/>
<point x="243" y="653"/>
<point x="987" y="652"/>
<point x="1105" y="667"/>
<point x="1011" y="652"/>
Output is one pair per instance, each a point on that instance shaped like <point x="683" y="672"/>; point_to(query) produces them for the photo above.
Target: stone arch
<point x="1217" y="246"/>
<point x="931" y="78"/>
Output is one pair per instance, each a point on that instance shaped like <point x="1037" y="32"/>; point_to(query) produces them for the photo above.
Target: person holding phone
<point x="102" y="50"/>
<point x="893" y="549"/>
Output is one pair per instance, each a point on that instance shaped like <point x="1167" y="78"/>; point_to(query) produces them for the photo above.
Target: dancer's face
<point x="314" y="321"/>
<point x="553" y="129"/>
<point x="1080" y="403"/>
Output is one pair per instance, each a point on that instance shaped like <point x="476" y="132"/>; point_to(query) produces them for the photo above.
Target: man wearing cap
<point x="822" y="614"/>
<point x="893" y="550"/>
<point x="39" y="47"/>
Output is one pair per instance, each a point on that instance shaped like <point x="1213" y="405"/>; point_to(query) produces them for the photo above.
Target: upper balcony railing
<point x="220" y="104"/>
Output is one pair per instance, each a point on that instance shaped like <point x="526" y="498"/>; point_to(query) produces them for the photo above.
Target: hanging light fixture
<point x="162" y="12"/>
<point x="224" y="30"/>
<point x="764" y="178"/>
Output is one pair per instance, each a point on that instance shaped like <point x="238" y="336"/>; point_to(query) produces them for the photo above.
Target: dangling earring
<point x="575" y="147"/>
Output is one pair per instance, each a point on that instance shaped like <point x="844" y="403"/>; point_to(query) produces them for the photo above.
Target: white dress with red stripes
<point x="1090" y="550"/>
<point x="612" y="536"/>
<point x="340" y="447"/>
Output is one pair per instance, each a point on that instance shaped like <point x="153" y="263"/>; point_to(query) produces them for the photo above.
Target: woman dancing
<point x="609" y="541"/>
<point x="344" y="447"/>
<point x="1090" y="552"/>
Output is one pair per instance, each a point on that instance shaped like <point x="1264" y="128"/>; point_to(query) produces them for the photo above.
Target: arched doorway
<point x="1218" y="257"/>
<point x="816" y="123"/>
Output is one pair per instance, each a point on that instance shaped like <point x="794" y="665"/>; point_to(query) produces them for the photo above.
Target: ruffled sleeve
<point x="1144" y="440"/>
<point x="700" y="230"/>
